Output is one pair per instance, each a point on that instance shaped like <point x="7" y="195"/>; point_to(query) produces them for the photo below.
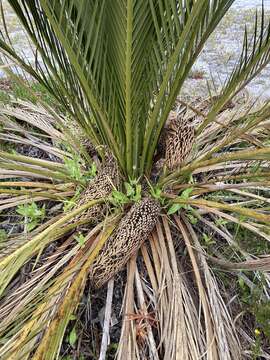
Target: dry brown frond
<point x="222" y="337"/>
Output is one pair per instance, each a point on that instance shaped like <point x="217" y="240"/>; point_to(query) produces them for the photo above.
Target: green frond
<point x="125" y="61"/>
<point x="196" y="21"/>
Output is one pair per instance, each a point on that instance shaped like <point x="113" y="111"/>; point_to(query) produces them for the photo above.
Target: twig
<point x="107" y="318"/>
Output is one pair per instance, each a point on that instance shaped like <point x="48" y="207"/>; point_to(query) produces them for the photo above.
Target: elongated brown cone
<point x="101" y="186"/>
<point x="132" y="231"/>
<point x="178" y="140"/>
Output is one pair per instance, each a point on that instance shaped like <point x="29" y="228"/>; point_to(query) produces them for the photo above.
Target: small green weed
<point x="74" y="169"/>
<point x="254" y="301"/>
<point x="184" y="196"/>
<point x="156" y="192"/>
<point x="112" y="349"/>
<point x="80" y="238"/>
<point x="133" y="190"/>
<point x="208" y="240"/>
<point x="32" y="214"/>
<point x="133" y="193"/>
<point x="72" y="337"/>
<point x="256" y="349"/>
<point x="221" y="222"/>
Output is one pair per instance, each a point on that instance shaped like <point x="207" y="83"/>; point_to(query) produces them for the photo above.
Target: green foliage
<point x="133" y="193"/>
<point x="74" y="166"/>
<point x="184" y="196"/>
<point x="112" y="349"/>
<point x="248" y="241"/>
<point x="4" y="97"/>
<point x="118" y="198"/>
<point x="72" y="317"/>
<point x="72" y="337"/>
<point x="125" y="81"/>
<point x="80" y="239"/>
<point x="68" y="205"/>
<point x="192" y="219"/>
<point x="186" y="193"/>
<point x="156" y="192"/>
<point x="221" y="222"/>
<point x="262" y="315"/>
<point x="254" y="301"/>
<point x="256" y="349"/>
<point x="174" y="208"/>
<point x="32" y="213"/>
<point x="92" y="171"/>
<point x="208" y="240"/>
<point x="133" y="190"/>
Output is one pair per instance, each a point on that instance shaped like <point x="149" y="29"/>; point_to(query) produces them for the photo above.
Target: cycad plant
<point x="130" y="176"/>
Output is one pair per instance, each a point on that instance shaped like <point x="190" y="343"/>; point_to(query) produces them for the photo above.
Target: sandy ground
<point x="223" y="48"/>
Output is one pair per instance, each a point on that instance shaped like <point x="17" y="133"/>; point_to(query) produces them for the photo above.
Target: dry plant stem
<point x="20" y="200"/>
<point x="149" y="268"/>
<point x="54" y="227"/>
<point x="161" y="293"/>
<point x="33" y="194"/>
<point x="254" y="154"/>
<point x="211" y="342"/>
<point x="107" y="319"/>
<point x="156" y="252"/>
<point x="227" y="341"/>
<point x="48" y="305"/>
<point x="70" y="302"/>
<point x="205" y="188"/>
<point x="251" y="227"/>
<point x="231" y="207"/>
<point x="9" y="266"/>
<point x="262" y="264"/>
<point x="185" y="324"/>
<point x="180" y="335"/>
<point x="11" y="307"/>
<point x="37" y="185"/>
<point x="126" y="349"/>
<point x="174" y="301"/>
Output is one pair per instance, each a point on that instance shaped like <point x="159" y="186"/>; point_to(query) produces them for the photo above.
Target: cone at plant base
<point x="132" y="231"/>
<point x="101" y="186"/>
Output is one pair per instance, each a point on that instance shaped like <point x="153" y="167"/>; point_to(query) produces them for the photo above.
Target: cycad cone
<point x="134" y="228"/>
